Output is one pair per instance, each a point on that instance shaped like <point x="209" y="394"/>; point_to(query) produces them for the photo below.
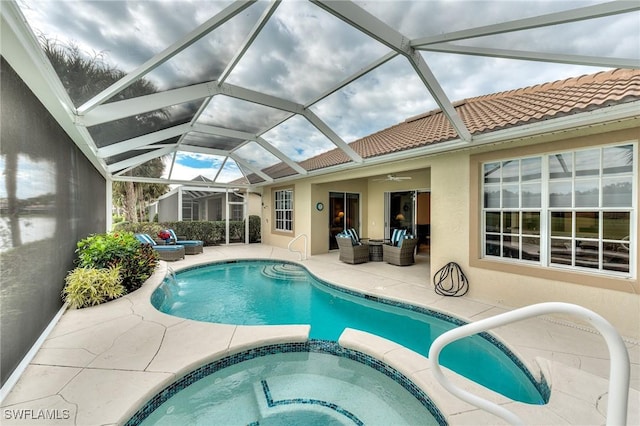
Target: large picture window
<point x="283" y="210"/>
<point x="571" y="209"/>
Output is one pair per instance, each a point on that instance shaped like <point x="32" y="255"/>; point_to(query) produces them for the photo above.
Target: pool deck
<point x="99" y="365"/>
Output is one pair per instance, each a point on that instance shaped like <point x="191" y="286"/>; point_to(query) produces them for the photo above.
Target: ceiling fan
<point x="393" y="178"/>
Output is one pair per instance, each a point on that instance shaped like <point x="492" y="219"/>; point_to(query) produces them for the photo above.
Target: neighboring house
<point x="542" y="205"/>
<point x="186" y="203"/>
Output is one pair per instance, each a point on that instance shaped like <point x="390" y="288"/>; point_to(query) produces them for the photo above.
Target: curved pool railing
<point x="618" y="370"/>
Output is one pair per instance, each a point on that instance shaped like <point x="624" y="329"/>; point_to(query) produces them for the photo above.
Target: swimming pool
<point x="259" y="292"/>
<point x="311" y="383"/>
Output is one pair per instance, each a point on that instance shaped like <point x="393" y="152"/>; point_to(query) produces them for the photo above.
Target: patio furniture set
<point x="174" y="248"/>
<point x="399" y="250"/>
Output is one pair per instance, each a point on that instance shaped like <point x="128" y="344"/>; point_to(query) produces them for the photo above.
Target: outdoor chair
<point x="350" y="253"/>
<point x="401" y="255"/>
<point x="190" y="246"/>
<point x="169" y="253"/>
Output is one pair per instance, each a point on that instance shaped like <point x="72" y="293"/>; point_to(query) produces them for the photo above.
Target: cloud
<point x="298" y="139"/>
<point x="378" y="100"/>
<point x="33" y="177"/>
<point x="304" y="51"/>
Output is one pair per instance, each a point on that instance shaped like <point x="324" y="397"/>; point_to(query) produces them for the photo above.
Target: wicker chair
<point x="402" y="255"/>
<point x="350" y="253"/>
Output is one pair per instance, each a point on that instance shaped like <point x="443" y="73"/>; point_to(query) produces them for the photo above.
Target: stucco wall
<point x="454" y="231"/>
<point x="420" y="180"/>
<point x="511" y="285"/>
<point x="168" y="208"/>
<point x="38" y="236"/>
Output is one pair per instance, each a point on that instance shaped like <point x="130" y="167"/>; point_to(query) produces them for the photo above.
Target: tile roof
<point x="489" y="113"/>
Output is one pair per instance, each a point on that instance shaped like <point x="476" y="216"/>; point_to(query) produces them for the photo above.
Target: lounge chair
<point x="350" y="253"/>
<point x="402" y="254"/>
<point x="190" y="246"/>
<point x="165" y="252"/>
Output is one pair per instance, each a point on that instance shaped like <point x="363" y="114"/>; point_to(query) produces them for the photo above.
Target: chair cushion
<point x="190" y="242"/>
<point x="145" y="239"/>
<point x="185" y="242"/>
<point x="353" y="234"/>
<point x="397" y="236"/>
<point x="173" y="247"/>
<point x="345" y="234"/>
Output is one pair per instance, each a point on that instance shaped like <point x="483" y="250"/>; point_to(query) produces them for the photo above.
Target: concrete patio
<point x="101" y="364"/>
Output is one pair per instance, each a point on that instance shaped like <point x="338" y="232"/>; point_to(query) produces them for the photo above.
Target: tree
<point x="134" y="196"/>
<point x="83" y="76"/>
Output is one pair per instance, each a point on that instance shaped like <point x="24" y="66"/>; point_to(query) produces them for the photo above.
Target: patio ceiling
<point x="234" y="88"/>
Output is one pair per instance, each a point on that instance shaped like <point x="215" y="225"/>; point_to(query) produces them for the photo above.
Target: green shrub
<point x="135" y="261"/>
<point x="211" y="232"/>
<point x="92" y="286"/>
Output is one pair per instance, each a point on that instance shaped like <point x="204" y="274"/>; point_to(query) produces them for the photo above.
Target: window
<point x="190" y="210"/>
<point x="283" y="209"/>
<point x="572" y="209"/>
<point x="237" y="212"/>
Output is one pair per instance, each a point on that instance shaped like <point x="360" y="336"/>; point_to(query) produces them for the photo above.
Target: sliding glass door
<point x="344" y="212"/>
<point x="410" y="210"/>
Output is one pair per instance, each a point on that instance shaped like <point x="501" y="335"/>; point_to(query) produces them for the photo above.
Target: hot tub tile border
<point x="312" y="346"/>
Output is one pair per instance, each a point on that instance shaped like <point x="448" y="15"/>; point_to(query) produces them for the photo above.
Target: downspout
<point x="109" y="203"/>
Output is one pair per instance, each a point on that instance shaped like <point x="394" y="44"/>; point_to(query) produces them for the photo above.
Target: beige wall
<point x="455" y="237"/>
<point x="454" y="226"/>
<point x="420" y="179"/>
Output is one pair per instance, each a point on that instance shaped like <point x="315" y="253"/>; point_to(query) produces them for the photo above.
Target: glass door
<point x="410" y="210"/>
<point x="344" y="212"/>
<point x="400" y="212"/>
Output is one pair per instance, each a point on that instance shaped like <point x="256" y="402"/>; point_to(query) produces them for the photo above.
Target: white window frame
<point x="545" y="210"/>
<point x="283" y="210"/>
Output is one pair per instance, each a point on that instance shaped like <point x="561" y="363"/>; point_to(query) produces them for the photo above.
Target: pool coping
<point x="534" y="372"/>
<point x="129" y="351"/>
<point x="311" y="346"/>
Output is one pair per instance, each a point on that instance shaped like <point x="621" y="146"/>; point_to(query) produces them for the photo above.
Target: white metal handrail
<point x="298" y="251"/>
<point x="618" y="369"/>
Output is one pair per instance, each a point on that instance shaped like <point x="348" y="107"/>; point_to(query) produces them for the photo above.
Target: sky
<point x="303" y="51"/>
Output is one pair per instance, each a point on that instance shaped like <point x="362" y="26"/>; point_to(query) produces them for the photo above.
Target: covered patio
<point x="128" y="350"/>
<point x="306" y="105"/>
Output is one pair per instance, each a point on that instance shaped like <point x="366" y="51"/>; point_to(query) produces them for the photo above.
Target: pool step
<point x="285" y="271"/>
<point x="299" y="407"/>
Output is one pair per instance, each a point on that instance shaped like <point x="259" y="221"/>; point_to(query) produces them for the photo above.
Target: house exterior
<point x="541" y="206"/>
<point x="187" y="203"/>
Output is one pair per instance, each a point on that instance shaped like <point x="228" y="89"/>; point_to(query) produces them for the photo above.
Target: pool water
<point x="299" y="388"/>
<point x="267" y="292"/>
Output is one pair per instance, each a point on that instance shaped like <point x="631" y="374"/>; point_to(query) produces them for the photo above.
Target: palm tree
<point x="83" y="76"/>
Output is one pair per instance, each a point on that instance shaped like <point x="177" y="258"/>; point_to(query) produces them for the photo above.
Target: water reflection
<point x="27" y="200"/>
